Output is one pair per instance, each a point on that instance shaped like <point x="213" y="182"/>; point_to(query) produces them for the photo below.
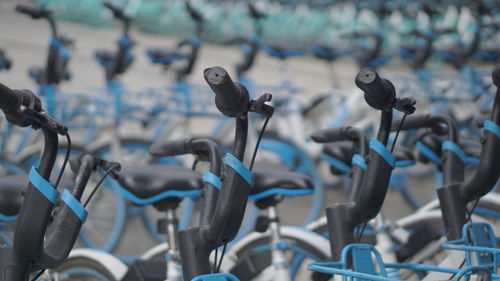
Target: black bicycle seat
<point x="328" y="53"/>
<point x="282" y="52"/>
<point x="160" y="182"/>
<point x="279" y="179"/>
<point x="165" y="56"/>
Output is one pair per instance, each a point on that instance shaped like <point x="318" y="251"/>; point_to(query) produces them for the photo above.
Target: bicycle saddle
<point x="11" y="193"/>
<point x="149" y="184"/>
<point x="327" y="53"/>
<point x="165" y="56"/>
<point x="273" y="179"/>
<point x="282" y="52"/>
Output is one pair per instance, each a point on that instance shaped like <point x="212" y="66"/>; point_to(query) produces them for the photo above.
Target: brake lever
<point x="259" y="105"/>
<point x="44" y="120"/>
<point x="405" y="105"/>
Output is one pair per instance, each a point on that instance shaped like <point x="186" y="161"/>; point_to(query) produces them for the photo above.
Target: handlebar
<point x="231" y="98"/>
<point x="486" y="175"/>
<point x="360" y="140"/>
<point x="343" y="218"/>
<point x="254" y="12"/>
<point x="33" y="12"/>
<point x="197" y="243"/>
<point x="193" y="13"/>
<point x="379" y="93"/>
<point x="38" y="13"/>
<point x="117" y="12"/>
<point x="343" y="134"/>
<point x="204" y="149"/>
<point x="10" y="100"/>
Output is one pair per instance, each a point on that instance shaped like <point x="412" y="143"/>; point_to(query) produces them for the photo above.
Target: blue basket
<point x="480" y="245"/>
<point x="363" y="262"/>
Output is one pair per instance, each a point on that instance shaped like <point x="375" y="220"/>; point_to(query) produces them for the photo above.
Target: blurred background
<point x="305" y="51"/>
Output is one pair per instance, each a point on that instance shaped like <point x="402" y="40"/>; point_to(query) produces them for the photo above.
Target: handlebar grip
<point x="10" y="100"/>
<point x="170" y="148"/>
<point x="33" y="12"/>
<point x="254" y="12"/>
<point x="379" y="93"/>
<point x="117" y="12"/>
<point x="230" y="98"/>
<point x="193" y="13"/>
<point x="496" y="75"/>
<point x="413" y="122"/>
<point x="329" y="135"/>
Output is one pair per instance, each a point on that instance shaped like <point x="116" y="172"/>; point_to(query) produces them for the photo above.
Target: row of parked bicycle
<point x="43" y="238"/>
<point x="301" y="24"/>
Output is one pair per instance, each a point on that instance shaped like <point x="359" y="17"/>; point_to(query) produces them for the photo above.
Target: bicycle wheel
<point x="103" y="229"/>
<point x="88" y="265"/>
<point x="301" y="248"/>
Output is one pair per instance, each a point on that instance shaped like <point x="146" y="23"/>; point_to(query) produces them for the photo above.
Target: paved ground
<point x="26" y="41"/>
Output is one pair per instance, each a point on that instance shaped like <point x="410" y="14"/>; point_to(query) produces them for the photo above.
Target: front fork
<point x="279" y="260"/>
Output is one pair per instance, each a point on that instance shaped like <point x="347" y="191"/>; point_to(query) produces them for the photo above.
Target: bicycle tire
<point x="302" y="248"/>
<point x="89" y="265"/>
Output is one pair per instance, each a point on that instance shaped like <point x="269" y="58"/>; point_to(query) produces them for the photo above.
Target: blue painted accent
<point x="49" y="93"/>
<point x="255" y="38"/>
<point x="281" y="245"/>
<point x="378" y="62"/>
<point x="439" y="179"/>
<point x="405" y="163"/>
<point x="124" y="41"/>
<point x="212" y="179"/>
<point x="492" y="127"/>
<point x="330" y="54"/>
<point x="453" y="147"/>
<point x="238" y="167"/>
<point x="283" y="54"/>
<point x="5" y="218"/>
<point x="74" y="205"/>
<point x="246" y="49"/>
<point x="473" y="160"/>
<point x="216" y="277"/>
<point x="336" y="163"/>
<point x="379" y="148"/>
<point x="405" y="53"/>
<point x="359" y="160"/>
<point x="61" y="49"/>
<point x="427" y="152"/>
<point x="43" y="186"/>
<point x="159" y="197"/>
<point x="193" y="40"/>
<point x="281" y="191"/>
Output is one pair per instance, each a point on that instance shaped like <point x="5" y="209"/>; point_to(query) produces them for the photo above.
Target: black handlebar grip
<point x="193" y="13"/>
<point x="329" y="135"/>
<point x="379" y="93"/>
<point x="117" y="12"/>
<point x="10" y="100"/>
<point x="254" y="13"/>
<point x="170" y="148"/>
<point x="496" y="75"/>
<point x="33" y="12"/>
<point x="230" y="98"/>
